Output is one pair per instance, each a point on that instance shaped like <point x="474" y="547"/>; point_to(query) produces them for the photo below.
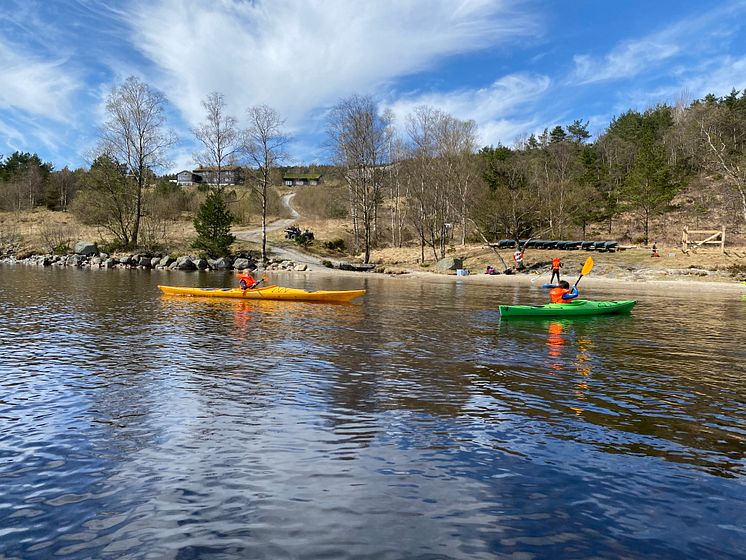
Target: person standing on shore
<point x="654" y="252"/>
<point x="556" y="264"/>
<point x="518" y="258"/>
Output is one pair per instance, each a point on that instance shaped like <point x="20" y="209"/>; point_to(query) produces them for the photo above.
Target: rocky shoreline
<point x="87" y="255"/>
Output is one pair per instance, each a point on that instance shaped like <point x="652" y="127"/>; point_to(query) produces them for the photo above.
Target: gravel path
<point x="285" y="250"/>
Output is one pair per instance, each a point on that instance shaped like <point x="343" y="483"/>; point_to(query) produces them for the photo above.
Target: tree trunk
<point x="138" y="210"/>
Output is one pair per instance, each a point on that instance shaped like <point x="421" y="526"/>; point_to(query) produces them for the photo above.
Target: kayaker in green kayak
<point x="562" y="293"/>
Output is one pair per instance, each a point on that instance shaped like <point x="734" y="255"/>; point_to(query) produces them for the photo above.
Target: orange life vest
<point x="557" y="293"/>
<point x="556" y="263"/>
<point x="248" y="279"/>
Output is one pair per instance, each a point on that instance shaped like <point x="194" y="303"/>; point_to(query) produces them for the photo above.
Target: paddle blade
<point x="588" y="266"/>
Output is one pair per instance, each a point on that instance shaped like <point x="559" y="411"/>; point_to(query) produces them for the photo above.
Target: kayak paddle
<point x="587" y="267"/>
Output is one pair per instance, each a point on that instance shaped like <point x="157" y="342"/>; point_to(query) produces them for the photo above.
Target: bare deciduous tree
<point x="723" y="134"/>
<point x="397" y="192"/>
<point x="62" y="184"/>
<point x="264" y="142"/>
<point x="218" y="135"/>
<point x="441" y="174"/>
<point x="134" y="134"/>
<point x="457" y="140"/>
<point x="359" y="136"/>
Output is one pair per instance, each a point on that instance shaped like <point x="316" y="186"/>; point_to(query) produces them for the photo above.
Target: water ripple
<point x="415" y="424"/>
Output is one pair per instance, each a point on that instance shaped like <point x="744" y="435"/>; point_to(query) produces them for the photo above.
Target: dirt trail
<point x="282" y="251"/>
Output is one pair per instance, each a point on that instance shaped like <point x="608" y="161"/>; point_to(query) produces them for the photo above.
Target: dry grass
<point x="34" y="231"/>
<point x="40" y="230"/>
<point x="478" y="257"/>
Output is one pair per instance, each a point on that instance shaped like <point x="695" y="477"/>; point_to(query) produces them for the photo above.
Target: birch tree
<point x="218" y="135"/>
<point x="441" y="175"/>
<point x="135" y="135"/>
<point x="264" y="142"/>
<point x="359" y="136"/>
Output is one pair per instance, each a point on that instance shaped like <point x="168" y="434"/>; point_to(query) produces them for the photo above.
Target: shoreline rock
<point x="150" y="261"/>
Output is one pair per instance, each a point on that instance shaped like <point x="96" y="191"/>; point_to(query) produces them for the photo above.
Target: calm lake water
<point x="412" y="424"/>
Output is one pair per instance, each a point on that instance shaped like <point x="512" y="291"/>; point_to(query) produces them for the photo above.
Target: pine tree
<point x="650" y="185"/>
<point x="213" y="225"/>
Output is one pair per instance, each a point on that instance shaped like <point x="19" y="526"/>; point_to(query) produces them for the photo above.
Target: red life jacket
<point x="557" y="293"/>
<point x="556" y="263"/>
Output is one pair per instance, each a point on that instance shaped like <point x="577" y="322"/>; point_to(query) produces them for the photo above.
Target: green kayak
<point x="576" y="308"/>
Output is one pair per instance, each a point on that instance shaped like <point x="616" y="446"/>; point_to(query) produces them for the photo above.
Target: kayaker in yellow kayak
<point x="562" y="293"/>
<point x="246" y="281"/>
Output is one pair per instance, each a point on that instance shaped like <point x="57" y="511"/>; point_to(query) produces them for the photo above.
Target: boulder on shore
<point x="184" y="263"/>
<point x="241" y="263"/>
<point x="222" y="263"/>
<point x="86" y="248"/>
<point x="449" y="263"/>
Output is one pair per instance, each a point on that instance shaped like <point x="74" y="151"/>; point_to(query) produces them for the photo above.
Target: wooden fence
<point x="714" y="237"/>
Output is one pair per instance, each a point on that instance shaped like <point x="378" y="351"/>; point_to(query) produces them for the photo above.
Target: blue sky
<point x="513" y="66"/>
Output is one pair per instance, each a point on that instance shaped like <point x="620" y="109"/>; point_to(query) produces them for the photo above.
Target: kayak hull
<point x="576" y="308"/>
<point x="268" y="293"/>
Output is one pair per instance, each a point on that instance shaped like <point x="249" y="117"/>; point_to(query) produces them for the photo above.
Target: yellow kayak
<point x="266" y="292"/>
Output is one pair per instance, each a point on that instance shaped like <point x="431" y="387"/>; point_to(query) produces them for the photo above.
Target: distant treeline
<point x="433" y="185"/>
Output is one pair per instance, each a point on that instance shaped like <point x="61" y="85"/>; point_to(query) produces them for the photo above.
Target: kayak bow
<point x="267" y="292"/>
<point x="576" y="308"/>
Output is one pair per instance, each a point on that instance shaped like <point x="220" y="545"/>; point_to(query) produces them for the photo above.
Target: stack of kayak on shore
<point x="598" y="246"/>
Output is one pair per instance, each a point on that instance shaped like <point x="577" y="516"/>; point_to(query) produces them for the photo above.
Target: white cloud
<point x="37" y="87"/>
<point x="686" y="38"/>
<point x="13" y="137"/>
<point x="625" y="61"/>
<point x="493" y="108"/>
<point x="300" y="56"/>
<point x="720" y="76"/>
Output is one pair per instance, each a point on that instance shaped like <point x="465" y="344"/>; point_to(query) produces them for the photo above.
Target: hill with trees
<point x="424" y="182"/>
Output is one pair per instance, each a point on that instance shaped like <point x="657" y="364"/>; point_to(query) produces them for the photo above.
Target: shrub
<point x="10" y="240"/>
<point x="56" y="238"/>
<point x="111" y="246"/>
<point x="336" y="245"/>
<point x="61" y="249"/>
<point x="303" y="239"/>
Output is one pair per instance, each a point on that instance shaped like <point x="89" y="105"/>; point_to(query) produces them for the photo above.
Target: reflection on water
<point x="411" y="423"/>
<point x="560" y="338"/>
